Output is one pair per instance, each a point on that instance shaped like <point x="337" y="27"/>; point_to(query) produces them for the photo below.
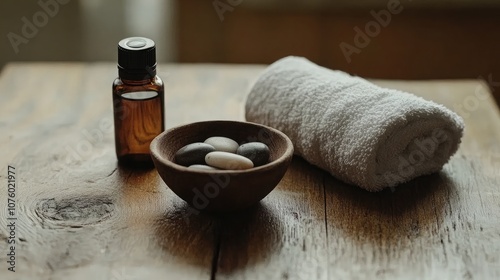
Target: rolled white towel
<point x="361" y="133"/>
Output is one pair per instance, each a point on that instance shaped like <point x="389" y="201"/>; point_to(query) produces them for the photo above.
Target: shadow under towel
<point x="361" y="133"/>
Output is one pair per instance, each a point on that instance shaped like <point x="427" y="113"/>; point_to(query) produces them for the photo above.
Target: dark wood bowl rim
<point x="155" y="148"/>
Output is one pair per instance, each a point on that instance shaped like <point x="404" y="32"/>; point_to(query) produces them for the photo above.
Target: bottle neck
<point x="138" y="82"/>
<point x="137" y="74"/>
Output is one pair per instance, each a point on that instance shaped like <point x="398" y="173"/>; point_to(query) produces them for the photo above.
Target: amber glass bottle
<point x="138" y="99"/>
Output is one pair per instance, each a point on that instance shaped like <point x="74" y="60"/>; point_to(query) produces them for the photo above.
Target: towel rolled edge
<point x="453" y="126"/>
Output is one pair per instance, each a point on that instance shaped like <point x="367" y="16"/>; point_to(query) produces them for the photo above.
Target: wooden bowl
<point x="221" y="190"/>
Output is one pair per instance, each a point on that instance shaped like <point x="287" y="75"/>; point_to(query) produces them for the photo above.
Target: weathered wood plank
<point x="442" y="226"/>
<point x="285" y="238"/>
<point x="81" y="216"/>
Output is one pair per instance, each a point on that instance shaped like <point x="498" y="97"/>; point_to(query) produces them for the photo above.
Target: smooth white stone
<point x="228" y="161"/>
<point x="202" y="167"/>
<point x="223" y="144"/>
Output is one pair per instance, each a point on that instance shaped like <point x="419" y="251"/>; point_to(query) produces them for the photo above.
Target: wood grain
<point x="81" y="216"/>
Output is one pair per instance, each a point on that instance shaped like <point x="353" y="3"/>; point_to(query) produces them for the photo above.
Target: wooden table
<point x="79" y="216"/>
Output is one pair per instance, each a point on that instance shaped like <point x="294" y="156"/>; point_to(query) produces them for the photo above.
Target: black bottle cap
<point x="136" y="58"/>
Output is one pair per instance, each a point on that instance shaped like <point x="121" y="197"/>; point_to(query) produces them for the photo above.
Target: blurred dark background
<point x="423" y="39"/>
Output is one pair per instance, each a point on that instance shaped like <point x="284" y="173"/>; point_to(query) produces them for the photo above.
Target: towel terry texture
<point x="361" y="133"/>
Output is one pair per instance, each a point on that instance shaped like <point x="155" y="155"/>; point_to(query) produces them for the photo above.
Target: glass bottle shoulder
<point x="121" y="86"/>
